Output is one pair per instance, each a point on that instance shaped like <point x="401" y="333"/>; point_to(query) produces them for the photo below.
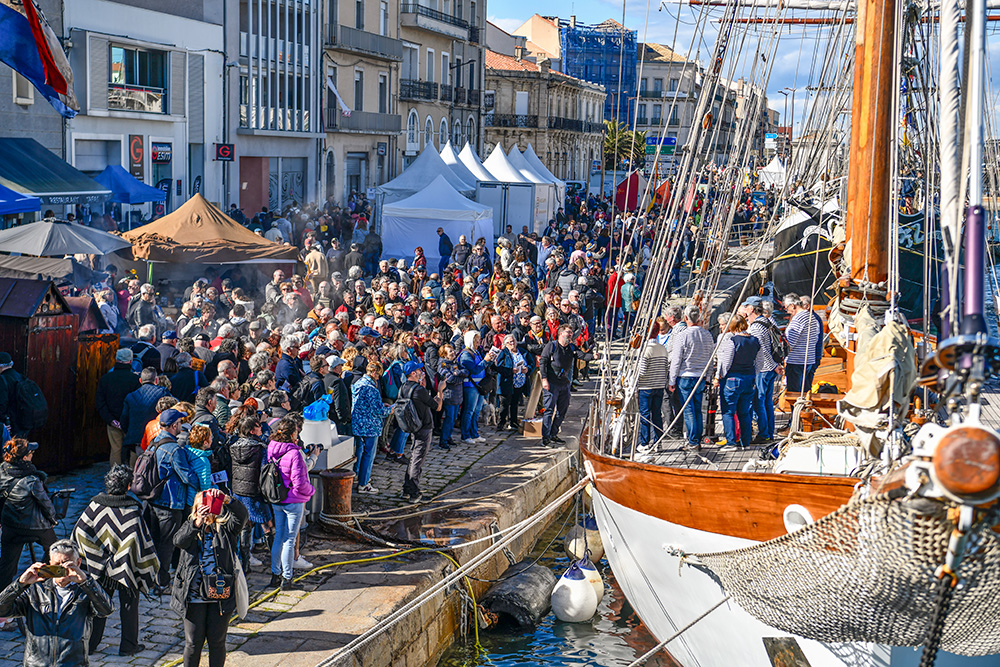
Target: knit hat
<point x="123" y="356"/>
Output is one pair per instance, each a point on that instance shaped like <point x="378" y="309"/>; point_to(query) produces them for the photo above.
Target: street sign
<point x="664" y="150"/>
<point x="224" y="152"/>
<point x="136" y="155"/>
<point x="771" y="135"/>
<point x="663" y="141"/>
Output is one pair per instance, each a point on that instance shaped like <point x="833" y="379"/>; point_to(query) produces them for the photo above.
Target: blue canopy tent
<point x="126" y="188"/>
<point x="12" y="202"/>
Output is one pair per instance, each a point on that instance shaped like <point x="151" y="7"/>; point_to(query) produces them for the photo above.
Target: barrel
<point x="337" y="485"/>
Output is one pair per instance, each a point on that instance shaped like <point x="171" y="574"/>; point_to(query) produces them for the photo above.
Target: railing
<point x="460" y="95"/>
<point x="330" y="34"/>
<point x="573" y="125"/>
<point x="474" y="34"/>
<point x="410" y="89"/>
<point x="510" y="120"/>
<point x="409" y="8"/>
<point x="333" y="117"/>
<point x="654" y="94"/>
<point x="642" y="120"/>
<point x="447" y="92"/>
<point x="144" y="99"/>
<point x="657" y="121"/>
<point x="366" y="42"/>
<point x="472" y="98"/>
<point x="674" y="122"/>
<point x="363" y="122"/>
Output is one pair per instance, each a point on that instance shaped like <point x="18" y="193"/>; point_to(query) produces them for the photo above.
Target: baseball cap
<point x="335" y="361"/>
<point x="411" y="366"/>
<point x="255" y="325"/>
<point x="169" y="335"/>
<point x="368" y="331"/>
<point x="753" y="301"/>
<point x="202" y="337"/>
<point x="170" y="417"/>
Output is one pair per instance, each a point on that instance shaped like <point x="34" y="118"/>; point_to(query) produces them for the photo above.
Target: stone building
<point x="559" y="115"/>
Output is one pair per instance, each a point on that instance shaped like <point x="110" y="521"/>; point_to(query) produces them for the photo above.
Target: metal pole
<point x="973" y="307"/>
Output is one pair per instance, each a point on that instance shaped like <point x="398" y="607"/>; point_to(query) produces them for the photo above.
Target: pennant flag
<point x="30" y="47"/>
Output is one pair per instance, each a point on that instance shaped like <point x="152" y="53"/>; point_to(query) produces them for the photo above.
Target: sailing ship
<point x="871" y="542"/>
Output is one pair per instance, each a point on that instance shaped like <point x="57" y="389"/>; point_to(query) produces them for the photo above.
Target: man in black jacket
<point x="57" y="610"/>
<point x="139" y="410"/>
<point x="311" y="387"/>
<point x="28" y="515"/>
<point x="112" y="389"/>
<point x="427" y="405"/>
<point x="556" y="367"/>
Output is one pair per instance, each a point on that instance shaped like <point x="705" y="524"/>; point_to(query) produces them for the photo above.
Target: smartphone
<point x="215" y="503"/>
<point x="52" y="571"/>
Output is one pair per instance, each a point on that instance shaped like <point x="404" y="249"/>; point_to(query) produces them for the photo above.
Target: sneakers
<point x="397" y="458"/>
<point x="254" y="561"/>
<point x="480" y="440"/>
<point x="275" y="581"/>
<point x="301" y="563"/>
<point x="290" y="585"/>
<point x="556" y="438"/>
<point x="367" y="489"/>
<point x="446" y="446"/>
<point x="413" y="495"/>
<point x="731" y="448"/>
<point x="470" y="441"/>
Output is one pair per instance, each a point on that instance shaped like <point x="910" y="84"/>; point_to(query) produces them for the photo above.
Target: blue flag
<point x="19" y="51"/>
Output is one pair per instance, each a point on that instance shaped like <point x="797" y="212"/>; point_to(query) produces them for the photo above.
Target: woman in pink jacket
<point x="285" y="449"/>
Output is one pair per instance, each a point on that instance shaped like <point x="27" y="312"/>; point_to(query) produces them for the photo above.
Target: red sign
<point x="224" y="152"/>
<point x="136" y="156"/>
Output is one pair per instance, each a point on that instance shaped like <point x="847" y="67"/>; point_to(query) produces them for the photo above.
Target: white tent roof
<point x="532" y="158"/>
<point x="518" y="162"/>
<point x="438" y="201"/>
<point x="502" y="169"/>
<point x="450" y="158"/>
<point x="427" y="167"/>
<point x="773" y="173"/>
<point x="471" y="161"/>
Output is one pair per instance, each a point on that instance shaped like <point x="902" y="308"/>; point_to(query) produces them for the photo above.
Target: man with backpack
<point x="163" y="475"/>
<point x="139" y="408"/>
<point x="768" y="365"/>
<point x="22" y="404"/>
<point x="312" y="387"/>
<point x="424" y="405"/>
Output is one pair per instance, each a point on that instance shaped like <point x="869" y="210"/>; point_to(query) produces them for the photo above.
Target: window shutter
<point x="196" y="91"/>
<point x="99" y="73"/>
<point x="178" y="69"/>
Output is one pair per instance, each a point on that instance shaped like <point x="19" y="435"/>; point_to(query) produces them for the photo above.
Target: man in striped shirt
<point x="652" y="382"/>
<point x="767" y="371"/>
<point x="803" y="334"/>
<point x="690" y="354"/>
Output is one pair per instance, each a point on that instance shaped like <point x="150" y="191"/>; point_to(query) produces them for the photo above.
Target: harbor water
<point x="614" y="637"/>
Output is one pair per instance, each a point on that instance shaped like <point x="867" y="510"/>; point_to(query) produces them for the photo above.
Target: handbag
<point x="242" y="591"/>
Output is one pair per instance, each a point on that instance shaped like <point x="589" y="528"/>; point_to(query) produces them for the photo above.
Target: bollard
<point x="337" y="485"/>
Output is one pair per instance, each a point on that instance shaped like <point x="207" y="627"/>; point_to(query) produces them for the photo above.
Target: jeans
<point x="448" y="424"/>
<point x="472" y="405"/>
<point x="556" y="402"/>
<point x="650" y="415"/>
<point x="128" y="613"/>
<point x="675" y="425"/>
<point x="205" y="620"/>
<point x="763" y="404"/>
<point x="287" y="520"/>
<point x="443" y="264"/>
<point x="168" y="521"/>
<point x="799" y="377"/>
<point x="693" y="422"/>
<point x="737" y="396"/>
<point x="399" y="441"/>
<point x="364" y="453"/>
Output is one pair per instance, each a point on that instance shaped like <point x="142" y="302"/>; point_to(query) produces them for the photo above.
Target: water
<point x="613" y="638"/>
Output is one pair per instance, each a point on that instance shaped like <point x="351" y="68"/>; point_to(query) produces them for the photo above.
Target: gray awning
<point x="27" y="166"/>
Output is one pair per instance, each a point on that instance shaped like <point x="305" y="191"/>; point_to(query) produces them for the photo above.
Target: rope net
<point x="866" y="573"/>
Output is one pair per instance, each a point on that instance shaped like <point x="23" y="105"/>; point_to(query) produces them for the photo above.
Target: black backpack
<point x="31" y="410"/>
<point x="406" y="414"/>
<point x="146" y="482"/>
<point x="779" y="345"/>
<point x="272" y="487"/>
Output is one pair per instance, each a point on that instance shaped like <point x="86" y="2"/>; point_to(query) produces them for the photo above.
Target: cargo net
<point x="866" y="574"/>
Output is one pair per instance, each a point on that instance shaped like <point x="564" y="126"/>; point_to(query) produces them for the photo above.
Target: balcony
<point x="363" y="122"/>
<point x="472" y="98"/>
<point x="350" y="39"/>
<point x="674" y="122"/>
<point x="410" y="89"/>
<point x="417" y="16"/>
<point x="460" y="95"/>
<point x="474" y="34"/>
<point x="447" y="93"/>
<point x="571" y="124"/>
<point x="656" y="121"/>
<point x="143" y="99"/>
<point x="510" y="120"/>
<point x="655" y="94"/>
<point x="642" y="120"/>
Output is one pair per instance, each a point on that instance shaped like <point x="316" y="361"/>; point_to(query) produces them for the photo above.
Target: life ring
<point x="707" y="122"/>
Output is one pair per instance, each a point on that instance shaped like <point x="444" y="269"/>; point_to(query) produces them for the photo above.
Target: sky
<point x="799" y="50"/>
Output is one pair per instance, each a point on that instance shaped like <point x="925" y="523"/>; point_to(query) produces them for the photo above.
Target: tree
<point x="622" y="144"/>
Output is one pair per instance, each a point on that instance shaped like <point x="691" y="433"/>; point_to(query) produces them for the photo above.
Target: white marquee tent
<point x="421" y="173"/>
<point x="413" y="221"/>
<point x="773" y="173"/>
<point x="498" y="165"/>
<point x="472" y="162"/>
<point x="450" y="158"/>
<point x="531" y="157"/>
<point x="546" y="195"/>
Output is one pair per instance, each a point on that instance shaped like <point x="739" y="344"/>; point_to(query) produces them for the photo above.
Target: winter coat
<point x="139" y="408"/>
<point x="225" y="539"/>
<point x="112" y="389"/>
<point x="247" y="454"/>
<point x="116" y="543"/>
<point x="368" y="411"/>
<point x="453" y="376"/>
<point x="55" y="640"/>
<point x="201" y="466"/>
<point x="340" y="391"/>
<point x="176" y="472"/>
<point x="294" y="473"/>
<point x="287" y="372"/>
<point x="26" y="503"/>
<point x="185" y="383"/>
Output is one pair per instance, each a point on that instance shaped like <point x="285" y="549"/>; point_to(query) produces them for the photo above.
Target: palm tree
<point x="622" y="144"/>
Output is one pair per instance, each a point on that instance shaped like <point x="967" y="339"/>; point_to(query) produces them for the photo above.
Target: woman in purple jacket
<point x="284" y="449"/>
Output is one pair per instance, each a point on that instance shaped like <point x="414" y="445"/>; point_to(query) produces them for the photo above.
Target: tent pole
<point x="149" y="272"/>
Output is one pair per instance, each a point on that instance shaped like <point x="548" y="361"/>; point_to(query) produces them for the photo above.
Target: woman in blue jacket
<point x="472" y="400"/>
<point x="367" y="416"/>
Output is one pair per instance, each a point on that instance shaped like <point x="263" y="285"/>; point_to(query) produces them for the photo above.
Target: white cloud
<point x="510" y="25"/>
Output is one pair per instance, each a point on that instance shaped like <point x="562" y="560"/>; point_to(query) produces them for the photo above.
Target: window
<point x="456" y="136"/>
<point x="445" y="69"/>
<point x="428" y="131"/>
<point x="472" y="15"/>
<point x="383" y="18"/>
<point x="521" y="103"/>
<point x="137" y="80"/>
<point x="24" y="92"/>
<point x="472" y="77"/>
<point x="359" y="14"/>
<point x="458" y="11"/>
<point x="430" y="65"/>
<point x="359" y="90"/>
<point x="411" y="62"/>
<point x="470" y="135"/>
<point x="383" y="93"/>
<point x="642" y="112"/>
<point x="673" y="85"/>
<point x="412" y="141"/>
<point x="657" y="85"/>
<point x="657" y="113"/>
<point x="674" y="120"/>
<point x="443" y="133"/>
<point x="644" y="85"/>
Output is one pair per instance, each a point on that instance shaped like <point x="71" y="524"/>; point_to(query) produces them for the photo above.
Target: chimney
<point x="572" y="21"/>
<point x="543" y="65"/>
<point x="518" y="52"/>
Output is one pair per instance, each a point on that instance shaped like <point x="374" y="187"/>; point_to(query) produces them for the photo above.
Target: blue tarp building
<point x="126" y="188"/>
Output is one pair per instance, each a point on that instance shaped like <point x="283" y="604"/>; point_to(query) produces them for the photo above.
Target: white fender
<point x="593" y="576"/>
<point x="574" y="599"/>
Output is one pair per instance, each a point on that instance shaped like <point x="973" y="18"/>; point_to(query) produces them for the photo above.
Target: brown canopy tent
<point x="198" y="232"/>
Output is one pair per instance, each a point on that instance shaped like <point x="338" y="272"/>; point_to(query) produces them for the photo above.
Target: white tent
<point x="773" y="173"/>
<point x="518" y="162"/>
<point x="450" y="158"/>
<point x="546" y="191"/>
<point x="421" y="173"/>
<point x="501" y="168"/>
<point x="471" y="161"/>
<point x="532" y="158"/>
<point x="414" y="221"/>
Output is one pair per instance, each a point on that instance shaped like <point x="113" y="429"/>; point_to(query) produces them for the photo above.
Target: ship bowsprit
<point x="866" y="573"/>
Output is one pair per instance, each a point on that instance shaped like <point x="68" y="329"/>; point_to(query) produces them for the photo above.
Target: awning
<point x="12" y="202"/>
<point x="27" y="166"/>
<point x="126" y="188"/>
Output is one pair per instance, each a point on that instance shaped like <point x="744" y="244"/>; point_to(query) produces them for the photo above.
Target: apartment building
<point x="441" y="75"/>
<point x="362" y="58"/>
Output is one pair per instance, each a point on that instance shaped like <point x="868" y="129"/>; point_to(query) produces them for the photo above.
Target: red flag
<point x="43" y="40"/>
